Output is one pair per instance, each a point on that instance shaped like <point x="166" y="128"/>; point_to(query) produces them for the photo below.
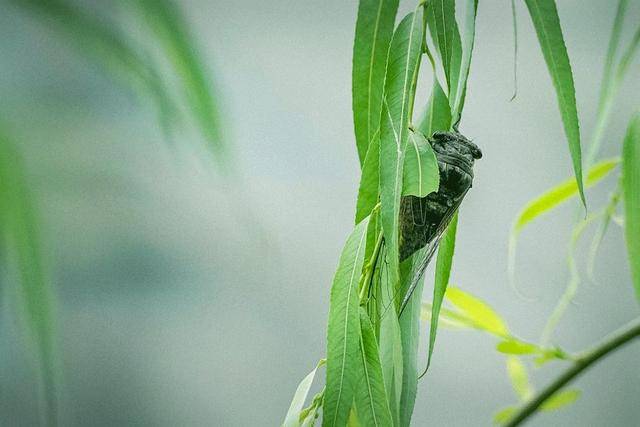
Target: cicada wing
<point x="430" y="250"/>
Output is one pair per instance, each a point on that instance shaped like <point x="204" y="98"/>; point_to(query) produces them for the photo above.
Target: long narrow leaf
<point x="544" y="15"/>
<point x="631" y="192"/>
<point x="443" y="272"/>
<point x="374" y="29"/>
<point x="404" y="56"/>
<point x="369" y="189"/>
<point x="445" y="26"/>
<point x="371" y="397"/>
<point x="165" y="18"/>
<point x="343" y="332"/>
<point x="468" y="41"/>
<point x="20" y="239"/>
<point x="292" y="419"/>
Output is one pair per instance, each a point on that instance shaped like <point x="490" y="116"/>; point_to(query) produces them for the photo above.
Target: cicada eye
<point x="475" y="152"/>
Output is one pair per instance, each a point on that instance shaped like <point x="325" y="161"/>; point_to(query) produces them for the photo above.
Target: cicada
<point x="423" y="220"/>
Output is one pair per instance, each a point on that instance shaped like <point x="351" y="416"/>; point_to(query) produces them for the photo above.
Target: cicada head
<point x="456" y="155"/>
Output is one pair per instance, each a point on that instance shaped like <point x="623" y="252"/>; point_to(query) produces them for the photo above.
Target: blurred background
<point x="189" y="297"/>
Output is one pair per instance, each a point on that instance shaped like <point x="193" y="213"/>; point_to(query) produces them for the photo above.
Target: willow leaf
<point x="631" y="195"/>
<point x="292" y="419"/>
<point x="519" y="378"/>
<point x="21" y="242"/>
<point x="374" y="29"/>
<point x="165" y="18"/>
<point x="468" y="41"/>
<point x="410" y="336"/>
<point x="445" y="26"/>
<point x="551" y="199"/>
<point x="421" y="175"/>
<point x="343" y="332"/>
<point x="561" y="399"/>
<point x="371" y="397"/>
<point x="546" y="21"/>
<point x="443" y="272"/>
<point x="369" y="181"/>
<point x="438" y="113"/>
<point x="404" y="56"/>
<point x="477" y="311"/>
<point x="391" y="352"/>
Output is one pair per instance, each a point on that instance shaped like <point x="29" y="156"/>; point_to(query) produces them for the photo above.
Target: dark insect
<point x="424" y="220"/>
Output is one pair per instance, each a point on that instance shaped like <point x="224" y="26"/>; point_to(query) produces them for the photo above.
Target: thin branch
<point x="610" y="344"/>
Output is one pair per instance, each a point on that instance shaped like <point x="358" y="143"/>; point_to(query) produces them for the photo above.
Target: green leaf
<point x="561" y="399"/>
<point x="517" y="347"/>
<point x="468" y="41"/>
<point x="477" y="311"/>
<point x="438" y="113"/>
<point x="343" y="332"/>
<point x="547" y="24"/>
<point x="292" y="419"/>
<point x="173" y="33"/>
<point x="553" y="197"/>
<point x="391" y="350"/>
<point x="371" y="397"/>
<point x="504" y="415"/>
<point x="519" y="378"/>
<point x="20" y="240"/>
<point x="421" y="173"/>
<point x="404" y="56"/>
<point x="444" y="20"/>
<point x="102" y="43"/>
<point x="631" y="195"/>
<point x="369" y="181"/>
<point x="374" y="29"/>
<point x="443" y="272"/>
<point x="410" y="335"/>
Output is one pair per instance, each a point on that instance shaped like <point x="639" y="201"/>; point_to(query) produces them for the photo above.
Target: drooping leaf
<point x="404" y="56"/>
<point x="20" y="241"/>
<point x="443" y="272"/>
<point x="438" y="113"/>
<point x="546" y="21"/>
<point x="519" y="378"/>
<point x="410" y="335"/>
<point x="172" y="30"/>
<point x="374" y="29"/>
<point x="631" y="195"/>
<point x="369" y="181"/>
<point x="104" y="44"/>
<point x="371" y="401"/>
<point x="292" y="419"/>
<point x="468" y="41"/>
<point x="561" y="399"/>
<point x="390" y="343"/>
<point x="551" y="199"/>
<point x="421" y="175"/>
<point x="608" y="87"/>
<point x="482" y="316"/>
<point x="343" y="332"/>
<point x="444" y="28"/>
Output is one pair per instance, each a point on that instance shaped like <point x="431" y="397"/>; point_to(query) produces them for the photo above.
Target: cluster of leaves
<point x="372" y="350"/>
<point x="96" y="36"/>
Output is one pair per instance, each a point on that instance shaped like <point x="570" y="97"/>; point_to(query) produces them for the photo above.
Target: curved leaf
<point x="482" y="316"/>
<point x="421" y="175"/>
<point x="438" y="113"/>
<point x="402" y="65"/>
<point x="343" y="331"/>
<point x="292" y="419"/>
<point x="544" y="15"/>
<point x="374" y="29"/>
<point x="369" y="181"/>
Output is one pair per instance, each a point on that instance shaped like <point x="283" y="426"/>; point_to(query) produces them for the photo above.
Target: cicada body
<point x="423" y="220"/>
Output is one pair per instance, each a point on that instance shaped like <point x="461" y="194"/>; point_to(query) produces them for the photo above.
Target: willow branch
<point x="609" y="345"/>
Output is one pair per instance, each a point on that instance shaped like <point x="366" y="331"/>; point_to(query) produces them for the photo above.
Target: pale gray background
<point x="173" y="313"/>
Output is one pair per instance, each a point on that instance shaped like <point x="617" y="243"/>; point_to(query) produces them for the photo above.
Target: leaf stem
<point x="584" y="361"/>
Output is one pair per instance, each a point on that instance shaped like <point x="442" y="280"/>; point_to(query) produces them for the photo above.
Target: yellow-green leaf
<point x="561" y="399"/>
<point x="477" y="311"/>
<point x="519" y="378"/>
<point x="517" y="347"/>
